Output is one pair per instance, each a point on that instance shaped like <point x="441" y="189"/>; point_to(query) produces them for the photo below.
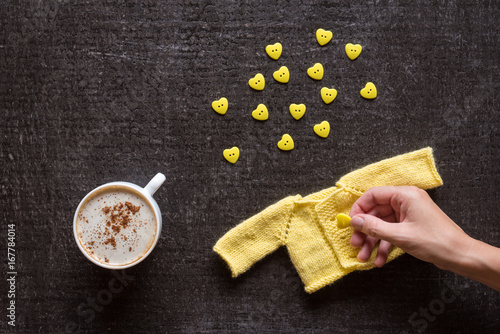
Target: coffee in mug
<point x="117" y="225"/>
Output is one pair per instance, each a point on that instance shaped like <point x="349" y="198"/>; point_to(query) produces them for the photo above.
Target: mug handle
<point x="154" y="184"/>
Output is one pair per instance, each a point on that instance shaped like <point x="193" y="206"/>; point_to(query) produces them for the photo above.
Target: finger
<point x="356" y="209"/>
<point x="371" y="198"/>
<point x="381" y="210"/>
<point x="384" y="248"/>
<point x="403" y="196"/>
<point x="390" y="218"/>
<point x="358" y="239"/>
<point x="367" y="249"/>
<point x="379" y="229"/>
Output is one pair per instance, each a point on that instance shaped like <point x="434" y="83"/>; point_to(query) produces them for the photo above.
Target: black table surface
<point x="100" y="91"/>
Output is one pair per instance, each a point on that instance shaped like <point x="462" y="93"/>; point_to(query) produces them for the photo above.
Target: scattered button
<point x="322" y="129"/>
<point x="286" y="143"/>
<point x="274" y="50"/>
<point x="369" y="92"/>
<point x="220" y="106"/>
<point x="231" y="154"/>
<point x="282" y="75"/>
<point x="261" y="113"/>
<point x="323" y="36"/>
<point x="353" y="50"/>
<point x="315" y="72"/>
<point x="257" y="82"/>
<point x="328" y="95"/>
<point x="297" y="110"/>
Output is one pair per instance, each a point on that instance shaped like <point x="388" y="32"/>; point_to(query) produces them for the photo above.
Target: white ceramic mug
<point x="147" y="192"/>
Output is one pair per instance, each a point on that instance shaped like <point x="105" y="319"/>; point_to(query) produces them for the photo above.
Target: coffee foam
<point x="116" y="226"/>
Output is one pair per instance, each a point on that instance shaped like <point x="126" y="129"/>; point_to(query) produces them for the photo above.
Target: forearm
<point x="481" y="262"/>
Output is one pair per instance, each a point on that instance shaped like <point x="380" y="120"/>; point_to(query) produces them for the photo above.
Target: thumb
<point x="376" y="227"/>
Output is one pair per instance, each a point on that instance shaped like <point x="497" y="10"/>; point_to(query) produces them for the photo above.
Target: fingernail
<point x="357" y="222"/>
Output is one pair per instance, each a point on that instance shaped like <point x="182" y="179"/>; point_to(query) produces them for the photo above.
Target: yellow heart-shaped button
<point x="322" y="129"/>
<point x="261" y="113"/>
<point x="297" y="110"/>
<point x="220" y="106"/>
<point x="369" y="92"/>
<point x="286" y="143"/>
<point x="231" y="154"/>
<point x="353" y="50"/>
<point x="328" y="95"/>
<point x="343" y="220"/>
<point x="257" y="82"/>
<point x="274" y="50"/>
<point x="316" y="72"/>
<point x="323" y="36"/>
<point x="282" y="75"/>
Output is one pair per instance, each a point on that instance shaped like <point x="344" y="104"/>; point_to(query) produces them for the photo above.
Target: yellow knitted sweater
<point x="319" y="250"/>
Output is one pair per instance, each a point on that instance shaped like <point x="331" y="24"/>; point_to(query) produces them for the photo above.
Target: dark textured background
<point x="103" y="91"/>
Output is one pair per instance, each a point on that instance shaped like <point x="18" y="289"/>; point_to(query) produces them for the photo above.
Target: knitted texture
<point x="319" y="250"/>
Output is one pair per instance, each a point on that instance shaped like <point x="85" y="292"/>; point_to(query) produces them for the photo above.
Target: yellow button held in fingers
<point x="232" y="154"/>
<point x="257" y="82"/>
<point x="343" y="220"/>
<point x="274" y="50"/>
<point x="220" y="105"/>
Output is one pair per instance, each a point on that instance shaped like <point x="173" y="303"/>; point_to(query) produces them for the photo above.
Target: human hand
<point x="406" y="217"/>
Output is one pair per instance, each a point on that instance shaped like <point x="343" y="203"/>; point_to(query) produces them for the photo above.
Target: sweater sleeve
<point x="256" y="237"/>
<point x="416" y="168"/>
